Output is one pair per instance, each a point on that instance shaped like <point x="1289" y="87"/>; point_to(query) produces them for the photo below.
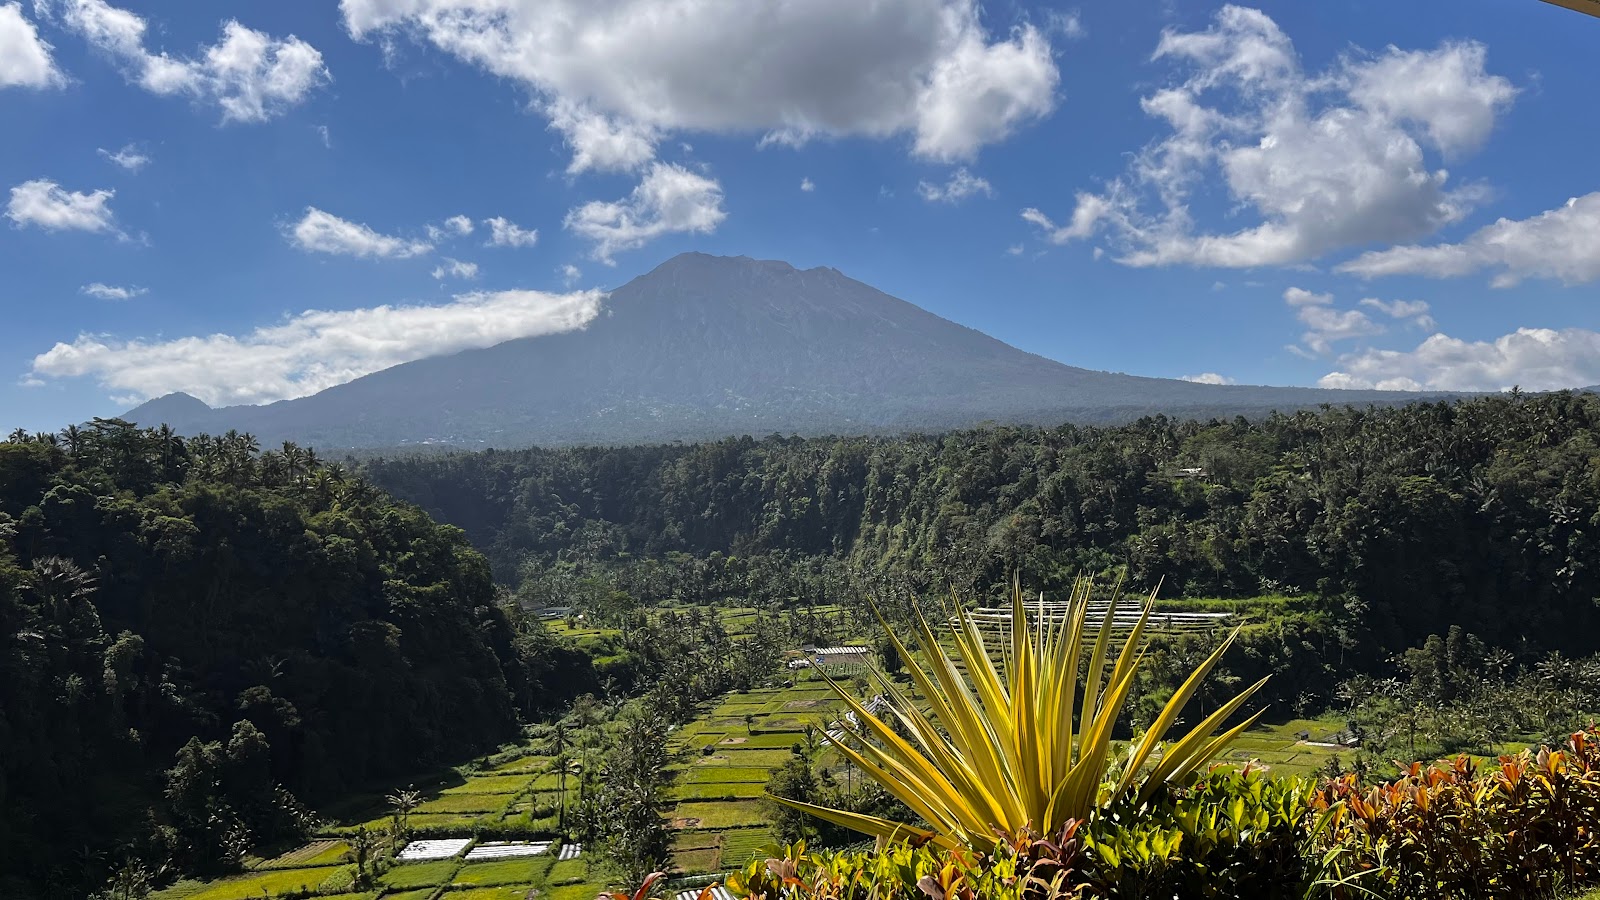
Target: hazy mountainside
<point x="704" y="347"/>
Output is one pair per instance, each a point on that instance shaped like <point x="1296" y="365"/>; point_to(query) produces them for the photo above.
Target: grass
<point x="780" y="740"/>
<point x="734" y="790"/>
<point x="421" y="874"/>
<point x="424" y="894"/>
<point x="698" y="862"/>
<point x="724" y="774"/>
<point x="719" y="814"/>
<point x="258" y="885"/>
<point x="569" y="892"/>
<point x="766" y="759"/>
<point x="501" y="871"/>
<point x="504" y="892"/>
<point x="740" y="845"/>
<point x="316" y="853"/>
<point x="491" y="784"/>
<point x="465" y="803"/>
<point x="568" y="871"/>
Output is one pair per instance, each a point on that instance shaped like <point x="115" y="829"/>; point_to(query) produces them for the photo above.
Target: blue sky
<point x="252" y="201"/>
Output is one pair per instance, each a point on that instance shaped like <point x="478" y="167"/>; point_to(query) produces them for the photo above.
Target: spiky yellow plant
<point x="1010" y="744"/>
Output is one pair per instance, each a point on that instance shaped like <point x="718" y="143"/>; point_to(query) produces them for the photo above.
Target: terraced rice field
<point x="444" y="879"/>
<point x="718" y="816"/>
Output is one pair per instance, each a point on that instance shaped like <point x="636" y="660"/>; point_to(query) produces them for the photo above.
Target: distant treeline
<point x="1398" y="522"/>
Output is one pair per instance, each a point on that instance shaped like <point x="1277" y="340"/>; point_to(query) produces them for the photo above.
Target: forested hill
<point x="1402" y="521"/>
<point x="196" y="638"/>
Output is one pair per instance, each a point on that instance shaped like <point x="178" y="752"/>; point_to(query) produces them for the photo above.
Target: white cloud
<point x="455" y="268"/>
<point x="1536" y="359"/>
<point x="44" y="203"/>
<point x="1324" y="324"/>
<point x="807" y="185"/>
<point x="25" y="59"/>
<point x="455" y="226"/>
<point x="129" y="157"/>
<point x="614" y="78"/>
<point x="250" y="75"/>
<point x="1561" y="244"/>
<point x="570" y="274"/>
<point x="1014" y="250"/>
<point x="327" y="139"/>
<point x="961" y="185"/>
<point x="313" y="350"/>
<point x="1321" y="161"/>
<point x="1414" y="310"/>
<point x="601" y="142"/>
<point x="505" y="233"/>
<point x="668" y="199"/>
<point x="1069" y="24"/>
<point x="1207" y="378"/>
<point x="111" y="292"/>
<point x="321" y="232"/>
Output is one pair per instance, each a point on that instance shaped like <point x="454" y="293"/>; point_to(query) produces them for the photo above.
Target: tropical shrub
<point x="1233" y="833"/>
<point x="1021" y="869"/>
<point x="1518" y="827"/>
<point x="1010" y="745"/>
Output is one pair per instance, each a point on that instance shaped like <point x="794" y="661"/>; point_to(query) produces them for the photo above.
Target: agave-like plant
<point x="1010" y="746"/>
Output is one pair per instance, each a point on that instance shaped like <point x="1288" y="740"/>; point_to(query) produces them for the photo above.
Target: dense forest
<point x="1381" y="526"/>
<point x="197" y="639"/>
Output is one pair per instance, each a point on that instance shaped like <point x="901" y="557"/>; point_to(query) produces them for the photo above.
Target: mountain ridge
<point x="706" y="346"/>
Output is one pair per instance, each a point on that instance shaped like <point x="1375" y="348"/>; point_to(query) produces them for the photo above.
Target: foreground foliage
<point x="1522" y="826"/>
<point x="1010" y="745"/>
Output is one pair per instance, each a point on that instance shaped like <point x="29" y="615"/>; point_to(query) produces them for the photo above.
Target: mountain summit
<point x="706" y="346"/>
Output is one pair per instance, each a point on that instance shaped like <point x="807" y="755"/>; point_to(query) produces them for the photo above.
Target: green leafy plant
<point x="1010" y="745"/>
<point x="1521" y="826"/>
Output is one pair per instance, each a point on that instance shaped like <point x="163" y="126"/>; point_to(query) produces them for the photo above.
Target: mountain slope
<point x="707" y="346"/>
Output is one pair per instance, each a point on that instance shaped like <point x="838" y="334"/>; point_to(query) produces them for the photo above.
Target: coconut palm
<point x="1009" y="745"/>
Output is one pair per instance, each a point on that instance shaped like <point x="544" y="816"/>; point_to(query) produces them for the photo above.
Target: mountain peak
<point x="706" y="346"/>
<point x="696" y="259"/>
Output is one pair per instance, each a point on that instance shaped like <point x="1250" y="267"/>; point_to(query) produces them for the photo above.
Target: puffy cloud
<point x="455" y="268"/>
<point x="807" y="185"/>
<point x="961" y="185"/>
<point x="570" y="274"/>
<point x="1324" y="161"/>
<point x="1561" y="244"/>
<point x="129" y="157"/>
<point x="668" y="199"/>
<point x="251" y="76"/>
<point x="1207" y="378"/>
<point x="322" y="232"/>
<point x="455" y="226"/>
<point x="505" y="233"/>
<point x="601" y="142"/>
<point x="25" y="59"/>
<point x="1538" y="359"/>
<point x="1414" y="310"/>
<point x="615" y="77"/>
<point x="313" y="350"/>
<point x="1324" y="324"/>
<point x="44" y="203"/>
<point x="111" y="292"/>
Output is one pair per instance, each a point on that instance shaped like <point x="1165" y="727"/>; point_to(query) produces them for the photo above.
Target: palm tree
<point x="362" y="843"/>
<point x="402" y="803"/>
